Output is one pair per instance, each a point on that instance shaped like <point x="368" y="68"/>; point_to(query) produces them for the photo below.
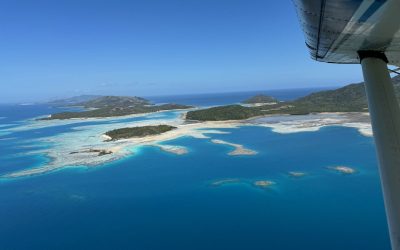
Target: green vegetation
<point x="261" y="99"/>
<point x="125" y="133"/>
<point x="72" y="100"/>
<point x="111" y="106"/>
<point x="222" y="113"/>
<point x="350" y="98"/>
<point x="239" y="112"/>
<point x="115" y="101"/>
<point x="115" y="111"/>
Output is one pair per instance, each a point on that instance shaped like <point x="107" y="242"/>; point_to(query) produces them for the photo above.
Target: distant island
<point x="261" y="99"/>
<point x="126" y="133"/>
<point x="351" y="98"/>
<point x="114" y="101"/>
<point x="111" y="106"/>
<point x="71" y="101"/>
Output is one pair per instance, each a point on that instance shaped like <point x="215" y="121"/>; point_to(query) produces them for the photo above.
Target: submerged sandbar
<point x="263" y="183"/>
<point x="296" y="174"/>
<point x="225" y="181"/>
<point x="343" y="169"/>
<point x="239" y="149"/>
<point x="178" y="150"/>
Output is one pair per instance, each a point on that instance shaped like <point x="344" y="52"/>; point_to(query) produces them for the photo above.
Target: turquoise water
<point x="14" y="145"/>
<point x="157" y="200"/>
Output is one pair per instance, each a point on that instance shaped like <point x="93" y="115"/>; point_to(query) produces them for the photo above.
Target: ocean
<point x="157" y="200"/>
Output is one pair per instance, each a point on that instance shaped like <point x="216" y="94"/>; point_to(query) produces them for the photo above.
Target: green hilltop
<point x="112" y="106"/>
<point x="115" y="101"/>
<point x="72" y="101"/>
<point x="260" y="99"/>
<point x="350" y="98"/>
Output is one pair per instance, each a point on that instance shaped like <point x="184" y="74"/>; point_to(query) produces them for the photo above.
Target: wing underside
<point x="335" y="30"/>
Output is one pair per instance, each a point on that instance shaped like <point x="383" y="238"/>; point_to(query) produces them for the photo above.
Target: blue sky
<point x="155" y="47"/>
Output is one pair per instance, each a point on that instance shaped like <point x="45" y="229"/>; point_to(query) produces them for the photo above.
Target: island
<point x="126" y="133"/>
<point x="224" y="113"/>
<point x="350" y="98"/>
<point x="261" y="99"/>
<point x="112" y="106"/>
<point x="71" y="101"/>
<point x="114" y="101"/>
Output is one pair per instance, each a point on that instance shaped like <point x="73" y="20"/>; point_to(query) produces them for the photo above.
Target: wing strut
<point x="385" y="117"/>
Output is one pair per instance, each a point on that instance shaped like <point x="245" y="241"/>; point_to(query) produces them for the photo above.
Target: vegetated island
<point x="126" y="133"/>
<point x="261" y="99"/>
<point x="351" y="98"/>
<point x="71" y="101"/>
<point x="111" y="106"/>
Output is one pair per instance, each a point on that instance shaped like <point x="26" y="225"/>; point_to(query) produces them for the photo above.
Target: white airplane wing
<point x="366" y="32"/>
<point x="335" y="30"/>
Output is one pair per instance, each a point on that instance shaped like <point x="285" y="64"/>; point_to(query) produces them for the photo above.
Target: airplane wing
<point x="335" y="30"/>
<point x="342" y="31"/>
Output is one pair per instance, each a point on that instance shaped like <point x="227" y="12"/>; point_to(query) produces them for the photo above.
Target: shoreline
<point x="314" y="122"/>
<point x="88" y="141"/>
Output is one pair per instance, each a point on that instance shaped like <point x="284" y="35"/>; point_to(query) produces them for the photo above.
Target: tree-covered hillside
<point x="351" y="98"/>
<point x="260" y="99"/>
<point x="114" y="101"/>
<point x="111" y="106"/>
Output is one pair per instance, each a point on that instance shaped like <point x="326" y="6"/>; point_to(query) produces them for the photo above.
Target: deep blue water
<point x="156" y="200"/>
